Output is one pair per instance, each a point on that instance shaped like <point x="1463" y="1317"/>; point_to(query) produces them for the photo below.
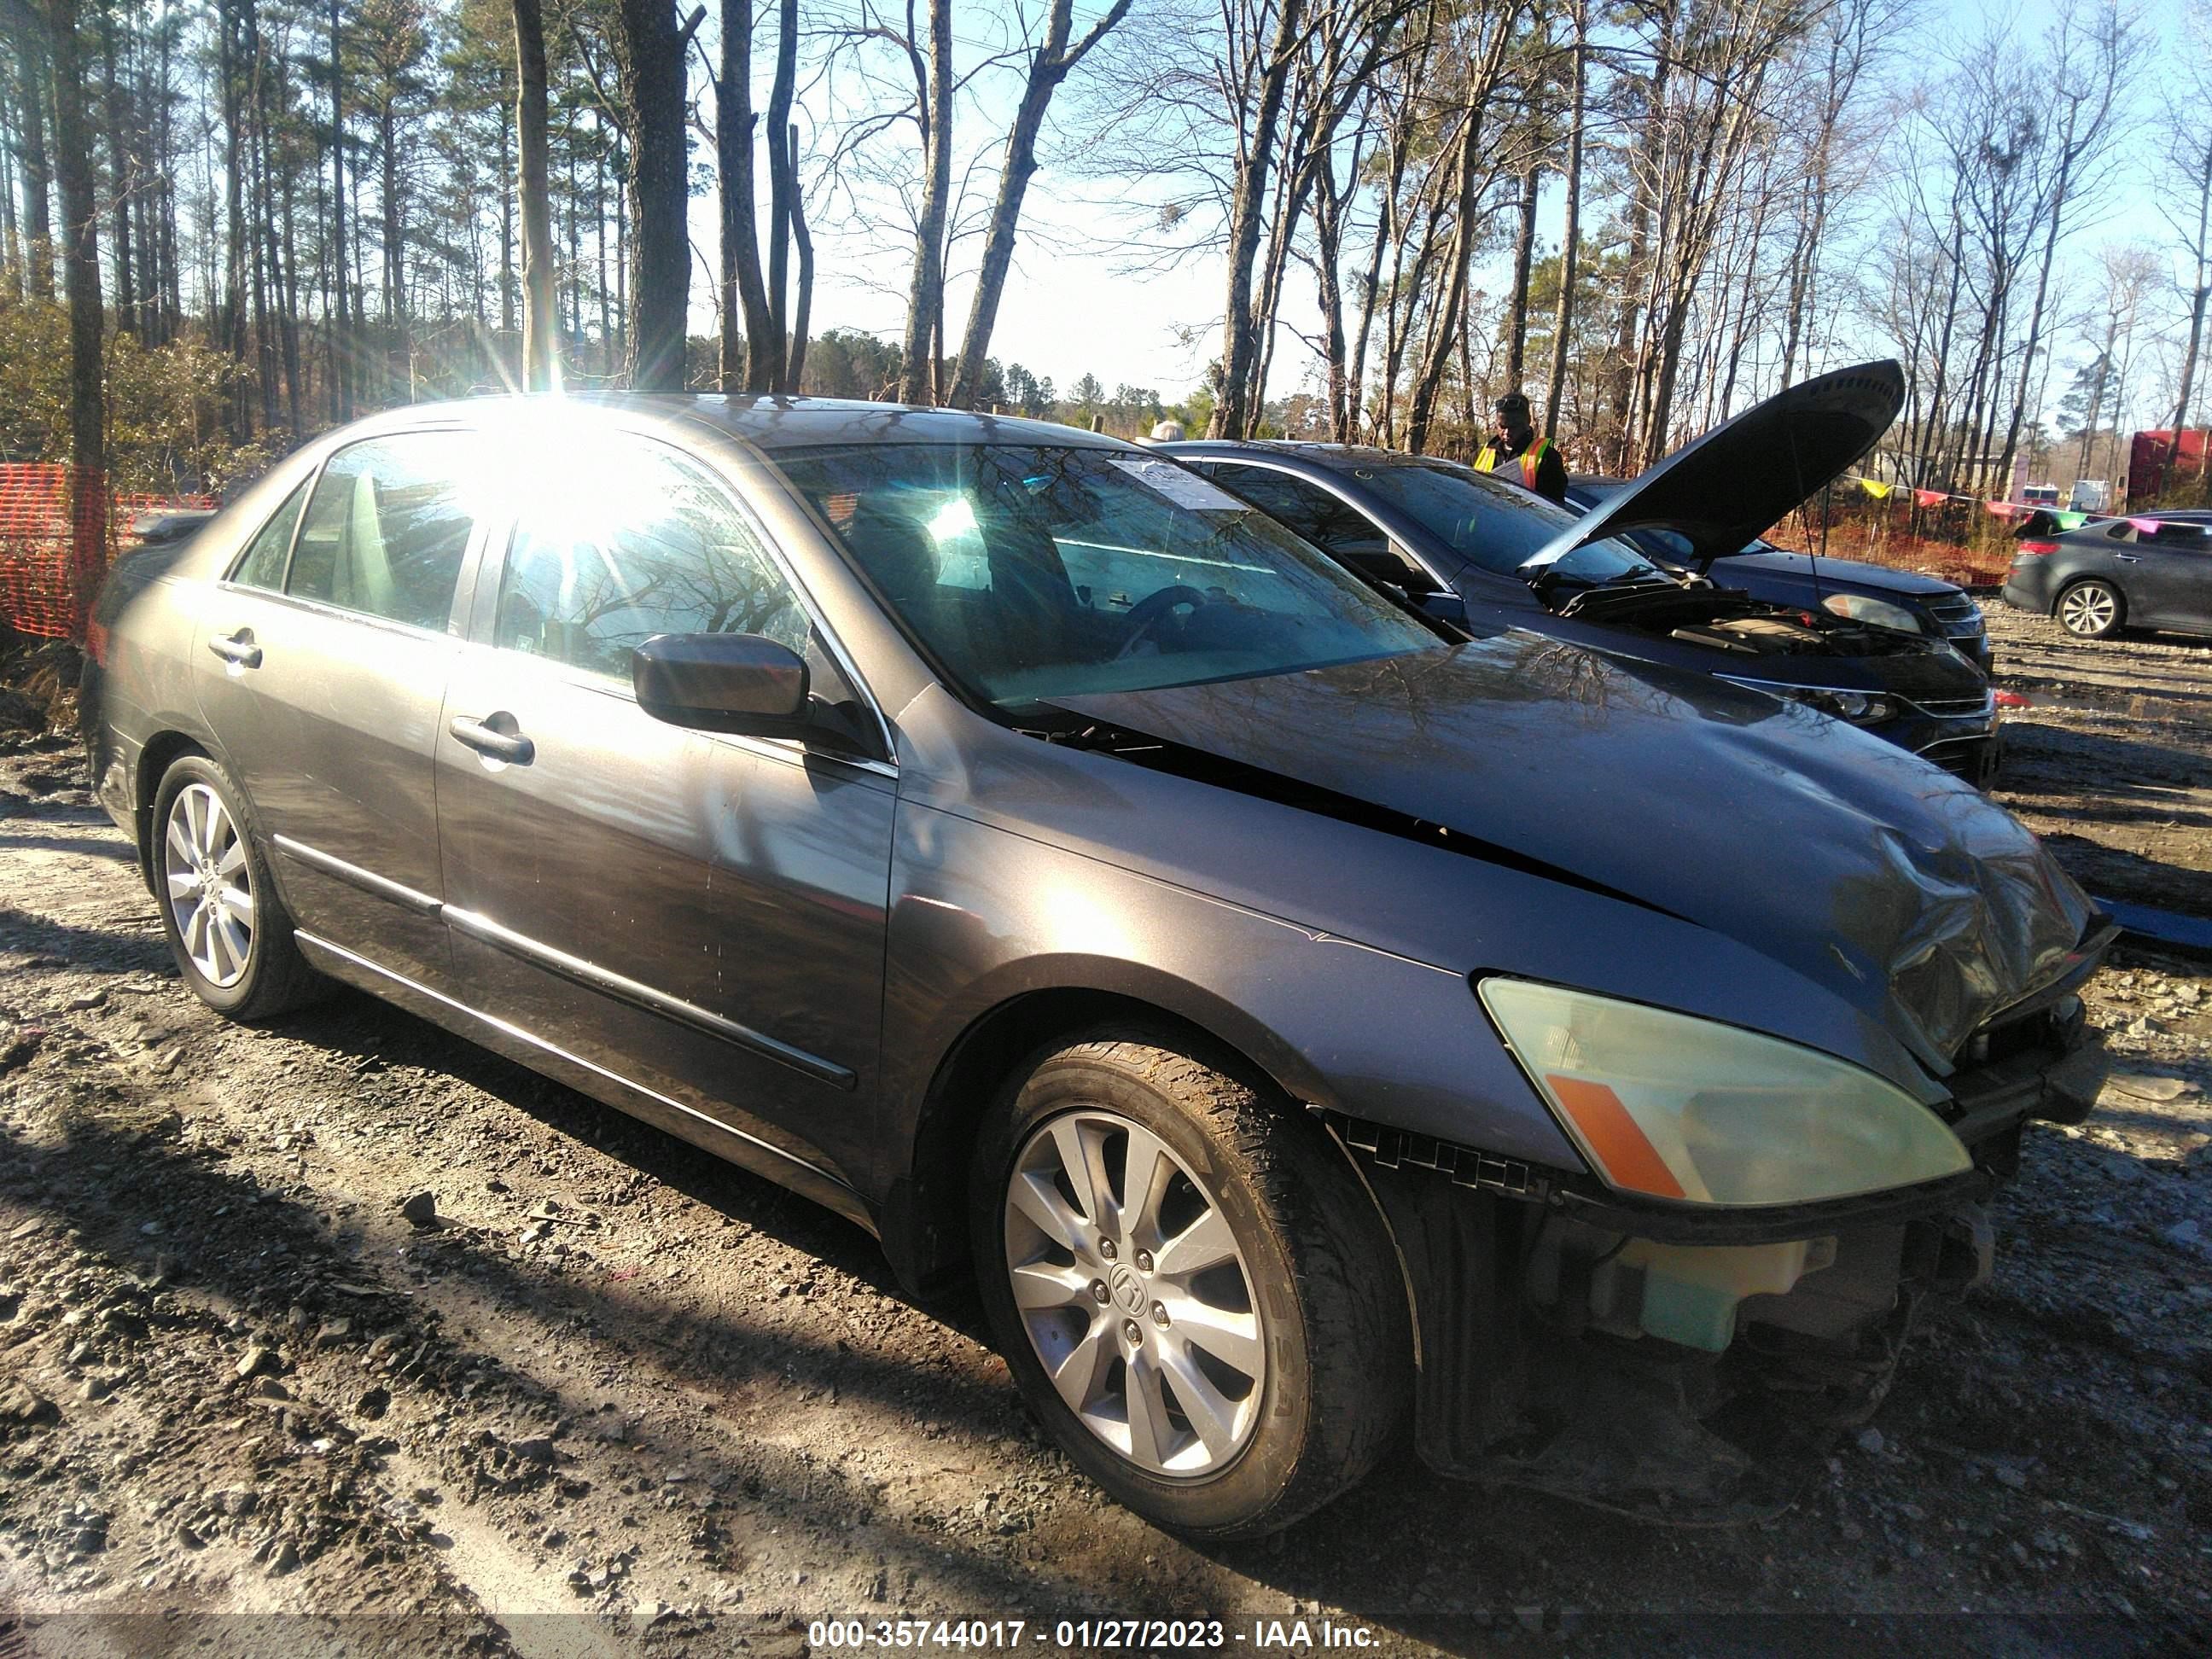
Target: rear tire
<point x="226" y="925"/>
<point x="2091" y="610"/>
<point x="1214" y="1290"/>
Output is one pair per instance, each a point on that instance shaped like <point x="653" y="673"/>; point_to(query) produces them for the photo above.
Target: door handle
<point x="237" y="648"/>
<point x="488" y="740"/>
<point x="2129" y="558"/>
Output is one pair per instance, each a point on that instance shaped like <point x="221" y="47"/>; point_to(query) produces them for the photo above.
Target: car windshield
<point x="1030" y="572"/>
<point x="1499" y="527"/>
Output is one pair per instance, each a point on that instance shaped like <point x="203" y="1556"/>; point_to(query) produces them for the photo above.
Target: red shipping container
<point x="2146" y="454"/>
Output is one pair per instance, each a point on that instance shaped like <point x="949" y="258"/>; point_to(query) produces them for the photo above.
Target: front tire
<point x="227" y="928"/>
<point x="2092" y="610"/>
<point x="1191" y="1289"/>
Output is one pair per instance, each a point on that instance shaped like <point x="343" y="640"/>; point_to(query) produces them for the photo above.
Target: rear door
<point x="700" y="915"/>
<point x="323" y="672"/>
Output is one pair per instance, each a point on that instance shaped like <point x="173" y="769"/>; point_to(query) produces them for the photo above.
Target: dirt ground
<point x="622" y="1398"/>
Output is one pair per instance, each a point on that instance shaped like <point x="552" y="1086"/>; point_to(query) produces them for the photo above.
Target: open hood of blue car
<point x="1721" y="491"/>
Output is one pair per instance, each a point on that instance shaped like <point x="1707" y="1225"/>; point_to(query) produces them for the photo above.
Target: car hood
<point x="1901" y="889"/>
<point x="1838" y="572"/>
<point x="1744" y="475"/>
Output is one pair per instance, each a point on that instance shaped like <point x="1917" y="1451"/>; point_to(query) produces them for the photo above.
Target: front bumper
<point x="1520" y="1277"/>
<point x="1963" y="744"/>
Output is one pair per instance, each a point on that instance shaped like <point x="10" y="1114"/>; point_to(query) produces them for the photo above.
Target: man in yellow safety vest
<point x="1540" y="472"/>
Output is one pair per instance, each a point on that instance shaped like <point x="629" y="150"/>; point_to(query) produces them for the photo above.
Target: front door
<point x="2167" y="575"/>
<point x="701" y="916"/>
<point x="322" y="674"/>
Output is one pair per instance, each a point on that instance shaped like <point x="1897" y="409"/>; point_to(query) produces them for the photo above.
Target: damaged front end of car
<point x="1666" y="1357"/>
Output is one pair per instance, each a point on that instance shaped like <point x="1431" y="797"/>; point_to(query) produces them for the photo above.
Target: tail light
<point x="2032" y="549"/>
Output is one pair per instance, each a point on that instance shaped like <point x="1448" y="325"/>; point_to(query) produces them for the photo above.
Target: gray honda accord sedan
<point x="1299" y="1019"/>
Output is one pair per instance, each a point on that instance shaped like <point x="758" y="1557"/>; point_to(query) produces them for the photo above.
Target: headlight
<point x="1670" y="1106"/>
<point x="1877" y="613"/>
<point x="1859" y="707"/>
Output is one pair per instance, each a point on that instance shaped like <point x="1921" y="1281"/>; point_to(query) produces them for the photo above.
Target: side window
<point x="386" y="528"/>
<point x="263" y="563"/>
<point x="1308" y="509"/>
<point x="637" y="542"/>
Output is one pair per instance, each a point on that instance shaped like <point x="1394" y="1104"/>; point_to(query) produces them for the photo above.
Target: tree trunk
<point x="1563" y="317"/>
<point x="1248" y="212"/>
<point x="1649" y="150"/>
<point x="1048" y="67"/>
<point x="288" y="293"/>
<point x="396" y="314"/>
<point x="770" y="369"/>
<point x="235" y="270"/>
<point x="2199" y="294"/>
<point x="926" y="290"/>
<point x="541" y="364"/>
<point x="37" y="168"/>
<point x="1524" y="253"/>
<point x="794" y="364"/>
<point x="599" y="240"/>
<point x="11" y="245"/>
<point x="661" y="270"/>
<point x="342" y="313"/>
<point x="1450" y="318"/>
<point x="119" y="169"/>
<point x="507" y="174"/>
<point x="746" y="330"/>
<point x="80" y="257"/>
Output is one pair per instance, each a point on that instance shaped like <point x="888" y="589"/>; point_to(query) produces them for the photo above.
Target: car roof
<point x="767" y="421"/>
<point x="1338" y="456"/>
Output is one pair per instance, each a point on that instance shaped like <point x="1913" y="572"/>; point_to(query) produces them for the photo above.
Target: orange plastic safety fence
<point x="59" y="530"/>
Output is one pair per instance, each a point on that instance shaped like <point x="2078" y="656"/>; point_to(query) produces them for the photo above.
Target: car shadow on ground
<point x="99" y="949"/>
<point x="97" y="849"/>
<point x="1405" y="1547"/>
<point x="257" y="1249"/>
<point x="2047" y="759"/>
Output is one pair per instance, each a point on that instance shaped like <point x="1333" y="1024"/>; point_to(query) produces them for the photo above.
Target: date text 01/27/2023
<point x="1103" y="1634"/>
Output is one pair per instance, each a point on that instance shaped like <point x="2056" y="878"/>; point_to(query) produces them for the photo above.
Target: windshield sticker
<point x="1179" y="484"/>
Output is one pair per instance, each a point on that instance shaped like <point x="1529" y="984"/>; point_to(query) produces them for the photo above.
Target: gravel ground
<point x="615" y="1397"/>
<point x="2113" y="765"/>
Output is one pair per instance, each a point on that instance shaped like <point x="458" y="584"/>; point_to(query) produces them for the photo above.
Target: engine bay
<point x="1731" y="621"/>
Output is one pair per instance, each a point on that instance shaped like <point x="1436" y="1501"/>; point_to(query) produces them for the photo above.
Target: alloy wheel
<point x="2090" y="609"/>
<point x="209" y="884"/>
<point x="1135" y="1293"/>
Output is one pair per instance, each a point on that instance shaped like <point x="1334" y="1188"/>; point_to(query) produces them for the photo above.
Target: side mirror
<point x="1445" y="605"/>
<point x="1377" y="565"/>
<point x="737" y="683"/>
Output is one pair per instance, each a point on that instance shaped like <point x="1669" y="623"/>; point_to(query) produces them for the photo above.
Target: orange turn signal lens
<point x="1630" y="1160"/>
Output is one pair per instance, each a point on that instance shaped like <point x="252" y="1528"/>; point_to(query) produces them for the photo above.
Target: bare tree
<point x="541" y="364"/>
<point x="1049" y="64"/>
<point x="2188" y="210"/>
<point x="1563" y="321"/>
<point x="746" y="329"/>
<point x="660" y="268"/>
<point x="925" y="306"/>
<point x="1263" y="71"/>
